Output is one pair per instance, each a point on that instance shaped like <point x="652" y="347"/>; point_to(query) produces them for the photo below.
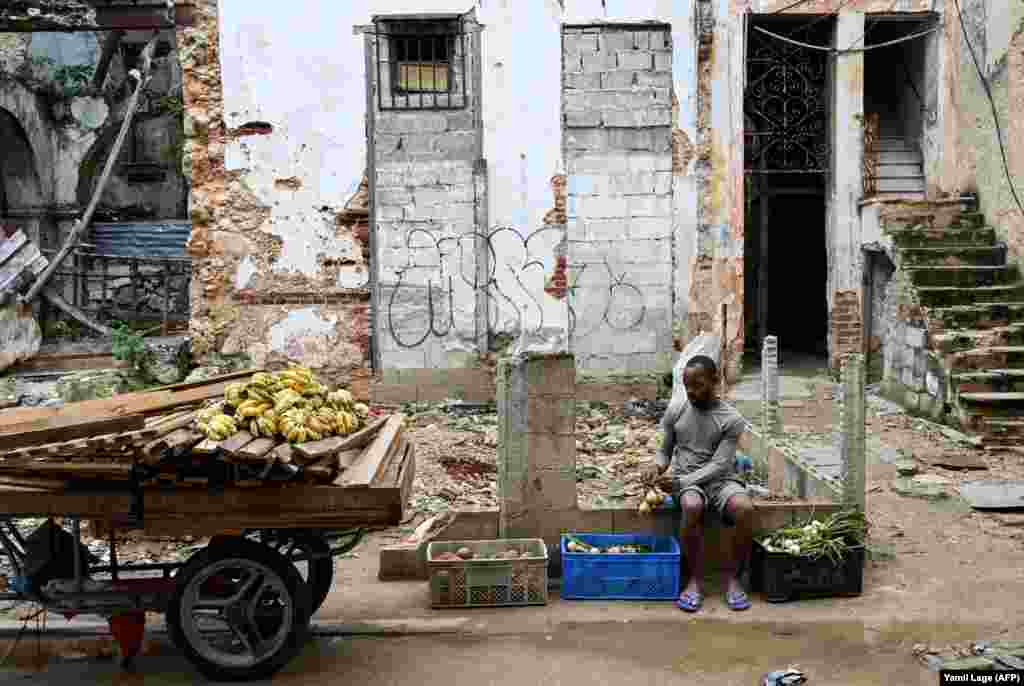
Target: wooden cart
<point x="240" y="607"/>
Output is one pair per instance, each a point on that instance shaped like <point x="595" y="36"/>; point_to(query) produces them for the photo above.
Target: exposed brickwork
<point x="845" y="326"/>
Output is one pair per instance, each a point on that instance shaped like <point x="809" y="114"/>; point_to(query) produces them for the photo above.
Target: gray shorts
<point x="715" y="496"/>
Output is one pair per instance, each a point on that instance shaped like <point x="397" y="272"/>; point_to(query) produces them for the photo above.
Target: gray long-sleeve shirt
<point x="700" y="446"/>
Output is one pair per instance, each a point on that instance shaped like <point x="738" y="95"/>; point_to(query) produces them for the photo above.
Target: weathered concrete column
<point x="846" y="139"/>
<point x="852" y="448"/>
<point x="536" y="442"/>
<point x="770" y="386"/>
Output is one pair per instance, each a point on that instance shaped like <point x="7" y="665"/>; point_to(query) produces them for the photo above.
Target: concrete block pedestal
<point x="536" y="442"/>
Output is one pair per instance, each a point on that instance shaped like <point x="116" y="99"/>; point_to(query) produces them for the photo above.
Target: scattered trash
<point x="784" y="677"/>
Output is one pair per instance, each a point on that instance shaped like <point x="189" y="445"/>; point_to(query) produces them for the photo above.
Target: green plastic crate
<point x="489" y="583"/>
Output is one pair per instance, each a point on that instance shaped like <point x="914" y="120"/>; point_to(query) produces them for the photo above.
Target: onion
<point x="645" y="508"/>
<point x="653" y="498"/>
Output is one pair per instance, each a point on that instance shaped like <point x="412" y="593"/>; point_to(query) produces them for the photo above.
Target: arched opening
<point x="21" y="198"/>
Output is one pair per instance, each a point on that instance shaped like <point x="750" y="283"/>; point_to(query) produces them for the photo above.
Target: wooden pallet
<point x="362" y="479"/>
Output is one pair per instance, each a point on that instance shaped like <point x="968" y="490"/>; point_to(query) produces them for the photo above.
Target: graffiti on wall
<point x="525" y="294"/>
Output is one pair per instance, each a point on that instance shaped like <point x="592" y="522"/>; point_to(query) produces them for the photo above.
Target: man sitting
<point x="699" y="451"/>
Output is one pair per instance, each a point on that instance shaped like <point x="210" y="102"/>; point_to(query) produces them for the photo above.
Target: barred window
<point x="421" y="64"/>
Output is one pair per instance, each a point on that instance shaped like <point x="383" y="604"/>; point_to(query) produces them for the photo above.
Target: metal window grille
<point x="421" y="65"/>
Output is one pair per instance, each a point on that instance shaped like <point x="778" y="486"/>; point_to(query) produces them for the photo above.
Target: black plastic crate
<point x="783" y="577"/>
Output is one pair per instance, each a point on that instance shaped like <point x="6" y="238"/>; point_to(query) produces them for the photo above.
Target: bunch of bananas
<point x="216" y="425"/>
<point x="291" y="404"/>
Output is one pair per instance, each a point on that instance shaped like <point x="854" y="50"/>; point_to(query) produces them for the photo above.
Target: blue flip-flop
<point x="691" y="601"/>
<point x="737" y="600"/>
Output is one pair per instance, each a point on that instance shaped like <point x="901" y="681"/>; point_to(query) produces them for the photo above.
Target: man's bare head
<point x="701" y="379"/>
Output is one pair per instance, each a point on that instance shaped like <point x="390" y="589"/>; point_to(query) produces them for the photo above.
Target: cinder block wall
<point x="617" y="143"/>
<point x="428" y="188"/>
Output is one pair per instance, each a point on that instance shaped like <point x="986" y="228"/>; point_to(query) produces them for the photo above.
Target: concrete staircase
<point x="974" y="309"/>
<point x="900" y="168"/>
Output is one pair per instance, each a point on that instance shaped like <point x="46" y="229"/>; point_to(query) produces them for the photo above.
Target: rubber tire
<point x="321" y="571"/>
<point x="227" y="548"/>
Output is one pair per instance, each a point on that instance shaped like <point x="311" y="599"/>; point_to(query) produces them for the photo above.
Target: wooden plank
<point x="12" y="245"/>
<point x="363" y="471"/>
<point x="65" y="429"/>
<point x="18" y="262"/>
<point x="28" y="419"/>
<point x="207" y="447"/>
<point x="232" y="445"/>
<point x="359" y="439"/>
<point x="32" y="482"/>
<point x="259" y="450"/>
<point x="328" y="471"/>
<point x="69" y="468"/>
<point x="183" y="438"/>
<point x="71" y="362"/>
<point x="284" y="453"/>
<point x="314" y="451"/>
<point x="387" y="475"/>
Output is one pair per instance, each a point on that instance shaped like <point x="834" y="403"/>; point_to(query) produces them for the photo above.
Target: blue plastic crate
<point x="628" y="576"/>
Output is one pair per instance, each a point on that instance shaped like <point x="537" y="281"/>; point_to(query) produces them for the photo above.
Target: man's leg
<point x="693" y="538"/>
<point x="740" y="511"/>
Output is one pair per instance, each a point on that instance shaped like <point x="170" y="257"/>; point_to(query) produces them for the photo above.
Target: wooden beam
<point x="66" y="429"/>
<point x="55" y="299"/>
<point x="366" y="468"/>
<point x="320" y="452"/>
<point x="145" y="402"/>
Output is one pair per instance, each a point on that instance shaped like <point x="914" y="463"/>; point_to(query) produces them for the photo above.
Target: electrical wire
<point x="992" y="102"/>
<point x="835" y="51"/>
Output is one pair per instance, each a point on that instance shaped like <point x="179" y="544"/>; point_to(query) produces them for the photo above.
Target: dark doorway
<point x="787" y="158"/>
<point x="786" y="263"/>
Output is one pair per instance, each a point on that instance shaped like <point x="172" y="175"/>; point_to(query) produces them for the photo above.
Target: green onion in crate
<point x="575" y="545"/>
<point x="831" y="538"/>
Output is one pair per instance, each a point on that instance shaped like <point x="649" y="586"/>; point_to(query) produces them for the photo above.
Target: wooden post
<point x="852" y="448"/>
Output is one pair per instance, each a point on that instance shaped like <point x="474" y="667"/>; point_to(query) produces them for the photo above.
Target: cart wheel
<point x="239" y="611"/>
<point x="317" y="571"/>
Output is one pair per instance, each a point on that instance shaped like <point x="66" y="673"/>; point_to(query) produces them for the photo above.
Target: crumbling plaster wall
<point x="278" y="265"/>
<point x="996" y="32"/>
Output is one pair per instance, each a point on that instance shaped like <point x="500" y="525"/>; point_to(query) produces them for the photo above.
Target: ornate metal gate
<point x="785" y="107"/>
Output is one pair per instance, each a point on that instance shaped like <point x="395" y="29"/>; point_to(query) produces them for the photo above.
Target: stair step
<point x="990" y="381"/>
<point x="979" y="255"/>
<point x="977" y="316"/>
<point x="900" y="185"/>
<point x="893" y="144"/>
<point x="986" y="406"/>
<point x="970" y="276"/>
<point x="899" y="171"/>
<point x="993" y="397"/>
<point x="949" y="296"/>
<point x="951" y="217"/>
<point x="920" y="237"/>
<point x="970" y="339"/>
<point x="986" y="358"/>
<point x="898" y="157"/>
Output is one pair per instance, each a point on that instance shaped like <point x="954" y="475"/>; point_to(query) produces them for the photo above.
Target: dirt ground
<point x="940" y="576"/>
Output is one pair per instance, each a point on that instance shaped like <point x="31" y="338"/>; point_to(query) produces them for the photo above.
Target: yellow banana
<point x="286" y="400"/>
<point x="259" y="393"/>
<point x="261" y="379"/>
<point x="234" y="394"/>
